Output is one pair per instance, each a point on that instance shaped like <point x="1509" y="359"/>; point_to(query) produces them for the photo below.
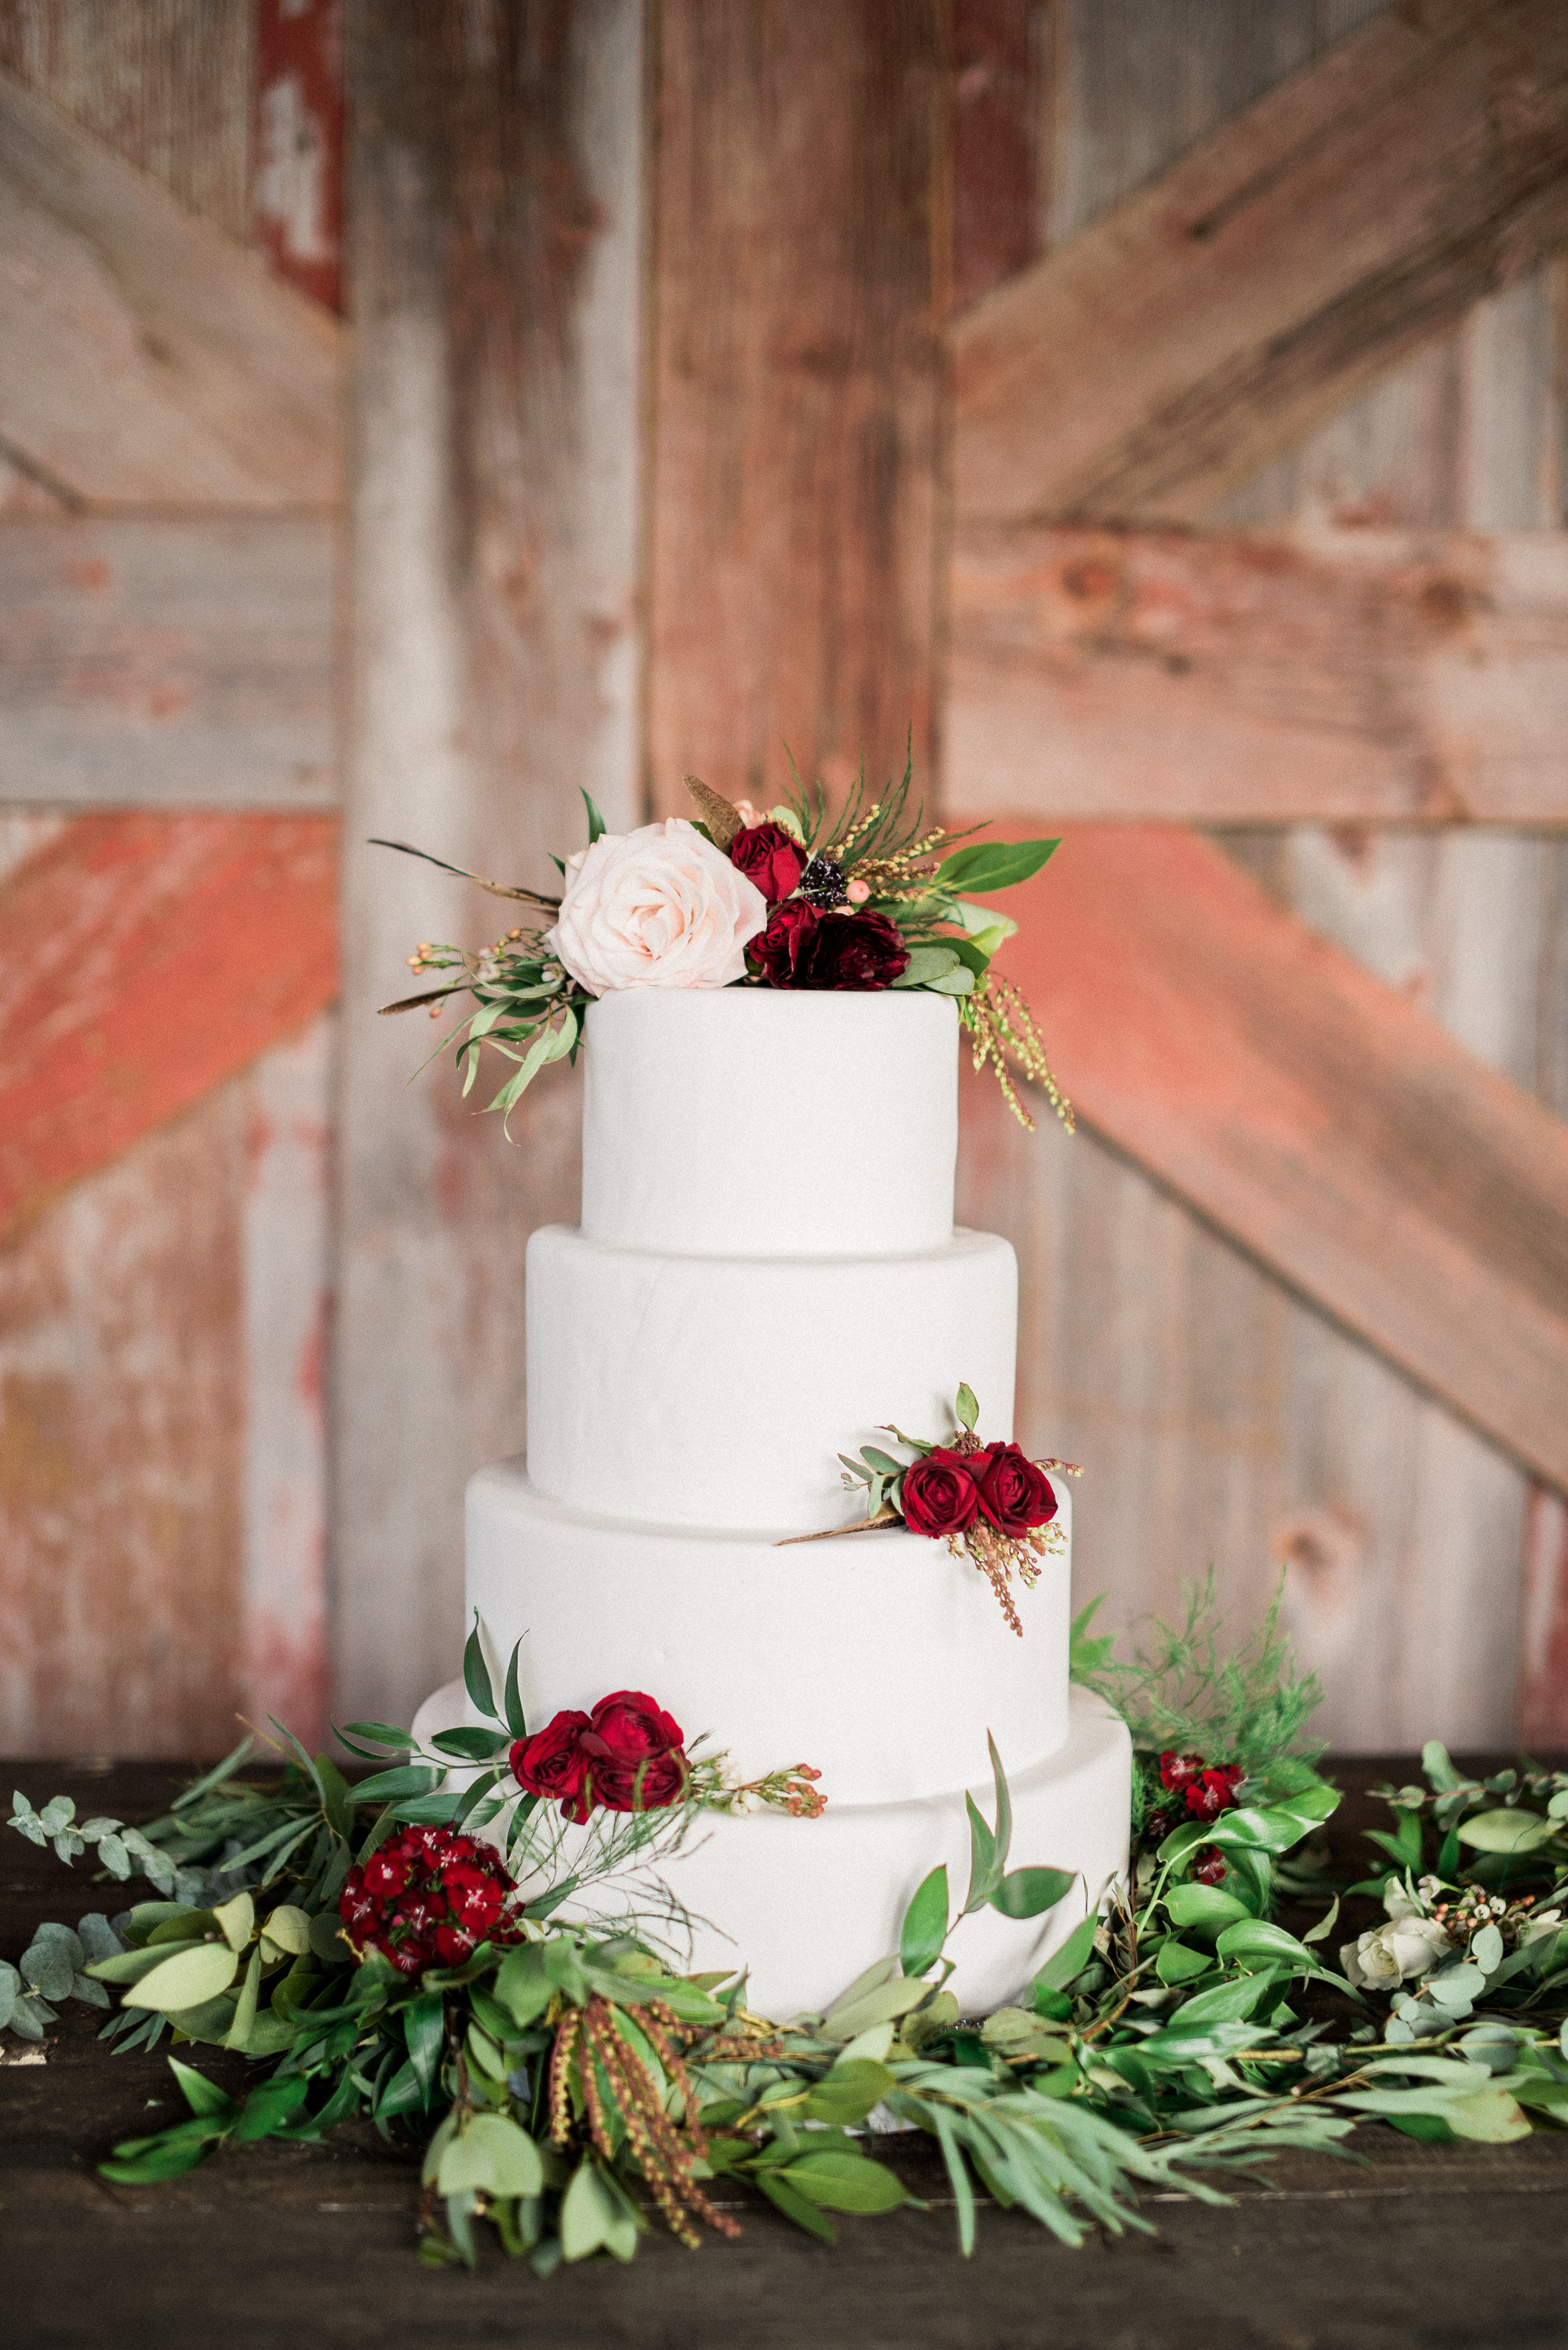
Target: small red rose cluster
<point x="627" y="1755"/>
<point x="1208" y="1789"/>
<point x="426" y="1897"/>
<point x="947" y="1490"/>
<point x="988" y="1499"/>
<point x="813" y="938"/>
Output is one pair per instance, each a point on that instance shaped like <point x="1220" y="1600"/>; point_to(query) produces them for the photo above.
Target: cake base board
<point x="806" y="1906"/>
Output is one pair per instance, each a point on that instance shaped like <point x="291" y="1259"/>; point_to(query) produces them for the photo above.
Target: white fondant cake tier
<point x="808" y="1905"/>
<point x="879" y="1658"/>
<point x="719" y="1391"/>
<point x="762" y="1122"/>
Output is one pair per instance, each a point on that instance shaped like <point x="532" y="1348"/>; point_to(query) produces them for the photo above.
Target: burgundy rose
<point x="1178" y="1771"/>
<point x="803" y="948"/>
<point x="1211" y="1868"/>
<point x="770" y="859"/>
<point x="1013" y="1493"/>
<point x="635" y="1754"/>
<point x="552" y="1764"/>
<point x="777" y="951"/>
<point x="939" y="1496"/>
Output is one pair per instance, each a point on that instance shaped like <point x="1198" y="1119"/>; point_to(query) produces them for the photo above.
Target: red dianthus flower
<point x="428" y="1898"/>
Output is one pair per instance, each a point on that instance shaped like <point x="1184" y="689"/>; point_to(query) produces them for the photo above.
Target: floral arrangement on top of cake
<point x="785" y="898"/>
<point x="988" y="1501"/>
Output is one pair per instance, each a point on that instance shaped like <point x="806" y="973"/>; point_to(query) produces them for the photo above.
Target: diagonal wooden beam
<point x="1174" y="346"/>
<point x="145" y="358"/>
<point x="147" y="958"/>
<point x="168" y="660"/>
<point x="1313" y="1115"/>
<point x="1340" y="675"/>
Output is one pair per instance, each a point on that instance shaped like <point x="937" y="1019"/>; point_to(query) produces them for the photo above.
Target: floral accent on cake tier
<point x="989" y="1502"/>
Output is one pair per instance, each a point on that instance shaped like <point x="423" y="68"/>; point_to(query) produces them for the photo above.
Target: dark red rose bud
<point x="939" y="1496"/>
<point x="552" y="1764"/>
<point x="1180" y="1769"/>
<point x="777" y="951"/>
<point x="769" y="857"/>
<point x="1013" y="1493"/>
<point x="803" y="948"/>
<point x="1210" y="1796"/>
<point x="1211" y="1868"/>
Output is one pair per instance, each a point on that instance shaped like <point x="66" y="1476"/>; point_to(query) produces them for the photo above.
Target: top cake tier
<point x="770" y="1122"/>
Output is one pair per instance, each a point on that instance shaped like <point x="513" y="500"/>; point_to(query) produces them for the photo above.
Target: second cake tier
<point x="719" y="1391"/>
<point x="879" y="1658"/>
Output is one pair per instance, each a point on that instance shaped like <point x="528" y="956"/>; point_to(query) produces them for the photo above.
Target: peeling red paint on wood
<point x="123" y="1426"/>
<point x="147" y="959"/>
<point x="1002" y="70"/>
<point x="802" y="273"/>
<point x="1237" y="678"/>
<point x="297" y="183"/>
<point x="1543" y="1657"/>
<point x="1313" y="1115"/>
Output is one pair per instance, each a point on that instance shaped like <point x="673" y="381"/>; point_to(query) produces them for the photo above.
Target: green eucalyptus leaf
<point x="849" y="2092"/>
<point x="845" y="2182"/>
<point x="1063" y="1966"/>
<point x="492" y="2155"/>
<point x="189" y="1979"/>
<point x="236" y="1920"/>
<point x="1506" y="1830"/>
<point x="476" y="1672"/>
<point x="1030" y="1892"/>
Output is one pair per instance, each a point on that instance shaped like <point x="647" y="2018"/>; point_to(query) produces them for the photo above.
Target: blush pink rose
<point x="659" y="907"/>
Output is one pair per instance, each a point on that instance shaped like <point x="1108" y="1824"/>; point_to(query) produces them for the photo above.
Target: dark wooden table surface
<point x="310" y="2248"/>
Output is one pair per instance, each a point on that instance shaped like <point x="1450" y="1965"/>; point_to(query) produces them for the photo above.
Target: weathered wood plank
<point x="180" y="660"/>
<point x="148" y="958"/>
<point x="166" y="83"/>
<point x="1168" y="352"/>
<point x="144" y="358"/>
<point x="1316" y="1119"/>
<point x="1330" y="675"/>
<point x="122" y="1425"/>
<point x="298" y="194"/>
<point x="801" y="279"/>
<point x="1004" y="71"/>
<point x="496" y="259"/>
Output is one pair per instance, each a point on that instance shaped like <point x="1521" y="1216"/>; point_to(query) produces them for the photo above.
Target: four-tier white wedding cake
<point x="766" y="1272"/>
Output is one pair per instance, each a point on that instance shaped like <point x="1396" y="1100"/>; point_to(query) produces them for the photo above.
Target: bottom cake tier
<point x="806" y="1906"/>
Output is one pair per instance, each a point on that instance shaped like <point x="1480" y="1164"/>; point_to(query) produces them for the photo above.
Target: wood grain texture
<point x="1159" y="358"/>
<point x="1331" y="675"/>
<point x="298" y="190"/>
<point x="148" y="958"/>
<point x="123" y="1416"/>
<point x="801" y="277"/>
<point x="1003" y="85"/>
<point x="495" y="279"/>
<point x="167" y="661"/>
<point x="166" y="83"/>
<point x="144" y="358"/>
<point x="1315" y="1117"/>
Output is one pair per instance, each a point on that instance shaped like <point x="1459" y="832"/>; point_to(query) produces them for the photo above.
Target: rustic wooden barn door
<point x="1153" y="413"/>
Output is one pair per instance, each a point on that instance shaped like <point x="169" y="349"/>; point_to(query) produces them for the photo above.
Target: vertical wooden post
<point x="496" y="273"/>
<point x="798" y="377"/>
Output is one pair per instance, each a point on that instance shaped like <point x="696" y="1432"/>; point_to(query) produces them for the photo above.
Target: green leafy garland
<point x="557" y="2087"/>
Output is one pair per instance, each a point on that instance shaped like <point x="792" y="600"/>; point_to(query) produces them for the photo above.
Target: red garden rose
<point x="1013" y="1493"/>
<point x="939" y="1496"/>
<point x="428" y="1898"/>
<point x="552" y="1764"/>
<point x="803" y="948"/>
<point x="635" y="1754"/>
<point x="777" y="951"/>
<point x="770" y="859"/>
